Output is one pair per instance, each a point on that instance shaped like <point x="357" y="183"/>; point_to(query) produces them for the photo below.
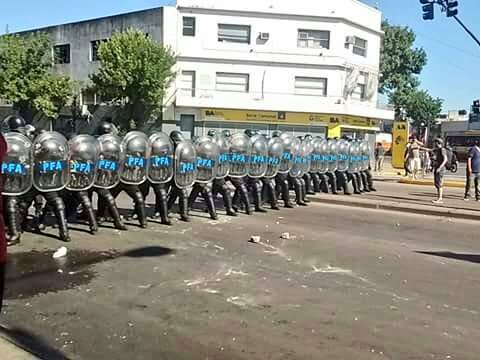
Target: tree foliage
<point x="400" y="61"/>
<point x="135" y="71"/>
<point x="400" y="65"/>
<point x="27" y="78"/>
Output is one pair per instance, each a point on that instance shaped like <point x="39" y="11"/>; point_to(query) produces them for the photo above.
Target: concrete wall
<point x="79" y="35"/>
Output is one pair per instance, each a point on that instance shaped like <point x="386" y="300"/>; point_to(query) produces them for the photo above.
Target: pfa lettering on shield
<point x="138" y="162"/>
<point x="13" y="168"/>
<point x="108" y="165"/>
<point x="51" y="166"/>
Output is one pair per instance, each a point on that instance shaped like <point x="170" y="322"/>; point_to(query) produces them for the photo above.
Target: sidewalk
<point x="415" y="199"/>
<point x="10" y="351"/>
<point x="391" y="174"/>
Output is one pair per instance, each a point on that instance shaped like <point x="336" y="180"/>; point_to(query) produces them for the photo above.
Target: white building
<point x="307" y="65"/>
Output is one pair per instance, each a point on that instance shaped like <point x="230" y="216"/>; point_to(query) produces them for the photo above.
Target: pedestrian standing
<point x="441" y="159"/>
<point x="3" y="241"/>
<point x="414" y="157"/>
<point x="473" y="171"/>
<point x="379" y="157"/>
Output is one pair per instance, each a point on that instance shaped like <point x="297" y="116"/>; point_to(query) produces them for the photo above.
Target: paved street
<point x="348" y="284"/>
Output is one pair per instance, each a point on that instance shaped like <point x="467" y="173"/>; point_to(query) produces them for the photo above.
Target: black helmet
<point x="226" y="133"/>
<point x="250" y="132"/>
<point x="14" y="123"/>
<point x="177" y="137"/>
<point x="276" y="133"/>
<point x="105" y="127"/>
<point x="212" y="132"/>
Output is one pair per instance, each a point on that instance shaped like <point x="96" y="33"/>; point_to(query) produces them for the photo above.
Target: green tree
<point x="421" y="107"/>
<point x="27" y="78"/>
<point x="400" y="63"/>
<point x="134" y="71"/>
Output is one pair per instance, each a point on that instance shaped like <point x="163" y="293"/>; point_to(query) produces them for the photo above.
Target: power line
<point x="446" y="44"/>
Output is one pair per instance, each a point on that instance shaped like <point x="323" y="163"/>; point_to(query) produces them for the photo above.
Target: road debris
<point x="61" y="252"/>
<point x="255" y="239"/>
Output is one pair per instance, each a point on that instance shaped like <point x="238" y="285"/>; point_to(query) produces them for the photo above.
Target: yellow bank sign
<point x="282" y="117"/>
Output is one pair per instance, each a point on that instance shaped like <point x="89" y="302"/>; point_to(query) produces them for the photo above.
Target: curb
<point x="416" y="209"/>
<point x="448" y="183"/>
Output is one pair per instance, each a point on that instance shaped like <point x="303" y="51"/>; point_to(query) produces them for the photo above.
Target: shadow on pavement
<point x="31" y="343"/>
<point x="473" y="258"/>
<point x="151" y="251"/>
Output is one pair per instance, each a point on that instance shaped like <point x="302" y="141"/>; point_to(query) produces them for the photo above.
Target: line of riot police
<point x="260" y="168"/>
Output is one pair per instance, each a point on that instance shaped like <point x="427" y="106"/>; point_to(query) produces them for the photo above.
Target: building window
<point x="315" y="39"/>
<point x="187" y="122"/>
<point x="232" y="82"/>
<point x="187" y="83"/>
<point x="234" y="33"/>
<point x="94" y="46"/>
<point x="360" y="46"/>
<point x="310" y="86"/>
<point x="360" y="92"/>
<point x="61" y="54"/>
<point x="188" y="26"/>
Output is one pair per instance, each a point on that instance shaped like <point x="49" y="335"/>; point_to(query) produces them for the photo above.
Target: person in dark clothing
<point x="3" y="241"/>
<point x="473" y="171"/>
<point x="441" y="160"/>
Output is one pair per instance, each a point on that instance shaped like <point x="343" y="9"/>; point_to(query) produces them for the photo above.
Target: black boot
<point x="183" y="205"/>
<point x="208" y="198"/>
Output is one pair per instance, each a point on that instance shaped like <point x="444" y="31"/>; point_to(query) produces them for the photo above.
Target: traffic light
<point x="428" y="9"/>
<point x="452" y="8"/>
<point x="476" y="107"/>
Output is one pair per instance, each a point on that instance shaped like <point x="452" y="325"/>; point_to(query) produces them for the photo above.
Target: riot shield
<point x="343" y="148"/>
<point x="223" y="163"/>
<point x="298" y="162"/>
<point x="110" y="161"/>
<point x="160" y="164"/>
<point x="240" y="150"/>
<point x="275" y="153"/>
<point x="316" y="157"/>
<point x="185" y="164"/>
<point x="307" y="150"/>
<point x="353" y="164"/>
<point x="286" y="162"/>
<point x="136" y="147"/>
<point x="257" y="165"/>
<point x="50" y="157"/>
<point x="82" y="159"/>
<point x="324" y="156"/>
<point x="365" y="156"/>
<point x="332" y="157"/>
<point x="17" y="167"/>
<point x="207" y="159"/>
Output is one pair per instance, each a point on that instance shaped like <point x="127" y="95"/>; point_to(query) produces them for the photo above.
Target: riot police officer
<point x="207" y="155"/>
<point x="223" y="169"/>
<point x="286" y="161"/>
<point x="240" y="150"/>
<point x="185" y="172"/>
<point x="160" y="173"/>
<point x="257" y="166"/>
<point x="110" y="161"/>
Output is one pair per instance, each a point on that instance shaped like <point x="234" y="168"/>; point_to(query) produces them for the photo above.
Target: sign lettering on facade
<point x="281" y="117"/>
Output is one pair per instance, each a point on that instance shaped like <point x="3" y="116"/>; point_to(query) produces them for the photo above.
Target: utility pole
<point x="448" y="6"/>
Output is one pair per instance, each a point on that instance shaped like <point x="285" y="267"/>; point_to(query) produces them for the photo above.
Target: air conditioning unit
<point x="303" y="35"/>
<point x="264" y="36"/>
<point x="350" y="40"/>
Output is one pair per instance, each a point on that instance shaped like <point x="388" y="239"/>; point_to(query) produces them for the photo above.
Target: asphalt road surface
<point x="344" y="283"/>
